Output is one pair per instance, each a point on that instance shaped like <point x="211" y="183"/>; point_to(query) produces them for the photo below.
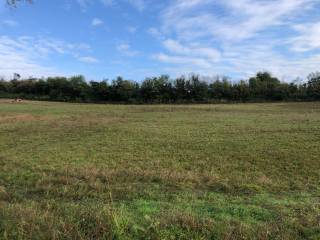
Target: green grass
<point x="82" y="171"/>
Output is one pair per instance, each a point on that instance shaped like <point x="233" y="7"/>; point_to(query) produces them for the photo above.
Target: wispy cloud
<point x="155" y="32"/>
<point x="232" y="19"/>
<point x="138" y="4"/>
<point x="194" y="49"/>
<point x="126" y="50"/>
<point x="88" y="59"/>
<point x="15" y="57"/>
<point x="27" y="55"/>
<point x="96" y="22"/>
<point x="238" y="36"/>
<point x="191" y="61"/>
<point x="308" y="38"/>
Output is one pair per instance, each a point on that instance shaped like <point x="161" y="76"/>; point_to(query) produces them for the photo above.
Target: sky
<point x="103" y="39"/>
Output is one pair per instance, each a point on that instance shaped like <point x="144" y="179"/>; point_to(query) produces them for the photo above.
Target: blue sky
<point x="142" y="38"/>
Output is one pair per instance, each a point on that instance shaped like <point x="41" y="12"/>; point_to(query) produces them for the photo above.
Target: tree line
<point x="163" y="89"/>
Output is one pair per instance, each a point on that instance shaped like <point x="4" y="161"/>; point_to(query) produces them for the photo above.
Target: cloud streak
<point x="88" y="59"/>
<point x="26" y="55"/>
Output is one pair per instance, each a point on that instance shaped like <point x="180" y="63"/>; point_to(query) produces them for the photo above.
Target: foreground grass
<point x="76" y="171"/>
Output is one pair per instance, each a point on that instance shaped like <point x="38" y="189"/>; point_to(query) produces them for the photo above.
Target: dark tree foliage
<point x="314" y="85"/>
<point x="192" y="89"/>
<point x="122" y="90"/>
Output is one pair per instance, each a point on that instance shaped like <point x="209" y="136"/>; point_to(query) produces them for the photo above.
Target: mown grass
<point x="82" y="171"/>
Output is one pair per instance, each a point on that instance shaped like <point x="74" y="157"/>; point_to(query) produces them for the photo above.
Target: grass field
<point x="82" y="171"/>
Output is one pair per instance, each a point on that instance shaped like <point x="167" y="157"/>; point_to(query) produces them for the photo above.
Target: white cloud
<point x="125" y="49"/>
<point x="96" y="22"/>
<point x="88" y="59"/>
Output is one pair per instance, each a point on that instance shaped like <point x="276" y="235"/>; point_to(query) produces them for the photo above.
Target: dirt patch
<point x="6" y="101"/>
<point x="263" y="179"/>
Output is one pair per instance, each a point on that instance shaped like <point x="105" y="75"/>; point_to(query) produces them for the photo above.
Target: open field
<point x="82" y="171"/>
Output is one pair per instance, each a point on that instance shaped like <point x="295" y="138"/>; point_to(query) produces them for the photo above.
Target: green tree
<point x="4" y="86"/>
<point x="263" y="86"/>
<point x="199" y="89"/>
<point x="180" y="91"/>
<point x="314" y="85"/>
<point x="123" y="90"/>
<point x="241" y="91"/>
<point x="221" y="89"/>
<point x="99" y="91"/>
